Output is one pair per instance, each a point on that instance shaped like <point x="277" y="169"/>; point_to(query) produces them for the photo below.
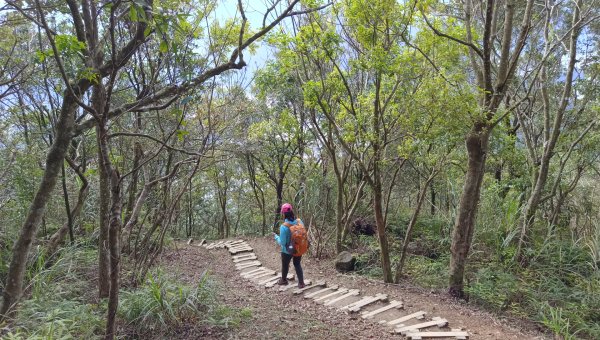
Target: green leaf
<point x="163" y="47"/>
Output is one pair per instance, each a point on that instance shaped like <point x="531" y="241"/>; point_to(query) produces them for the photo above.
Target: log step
<point x="367" y="300"/>
<point x="393" y="304"/>
<point x="254" y="273"/>
<point x="263" y="274"/>
<point x="284" y="288"/>
<point x="351" y="292"/>
<point x="242" y="256"/>
<point x="315" y="293"/>
<point x="402" y="329"/>
<point x="248" y="265"/>
<point x="455" y="333"/>
<point x="332" y="294"/>
<point x="239" y="250"/>
<point x="245" y="257"/>
<point x="274" y="282"/>
<point x="417" y="315"/>
<point x="318" y="284"/>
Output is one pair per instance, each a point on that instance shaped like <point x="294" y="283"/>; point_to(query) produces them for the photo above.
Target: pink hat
<point x="286" y="207"/>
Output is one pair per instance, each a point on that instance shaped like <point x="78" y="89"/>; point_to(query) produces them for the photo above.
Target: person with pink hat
<point x="284" y="239"/>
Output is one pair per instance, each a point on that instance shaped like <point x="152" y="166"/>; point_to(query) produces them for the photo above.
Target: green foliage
<point x="427" y="272"/>
<point x="494" y="288"/>
<point x="162" y="304"/>
<point x="59" y="306"/>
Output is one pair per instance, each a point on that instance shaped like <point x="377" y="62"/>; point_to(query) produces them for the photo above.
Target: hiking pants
<point x="285" y="266"/>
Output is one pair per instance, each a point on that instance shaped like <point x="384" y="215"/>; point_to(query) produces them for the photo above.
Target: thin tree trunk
<point x="67" y="205"/>
<point x="433" y="198"/>
<point x="462" y="234"/>
<point x="551" y="137"/>
<point x="103" y="215"/>
<point x="381" y="233"/>
<point x="411" y="224"/>
<point x="60" y="234"/>
<point x="115" y="256"/>
<point x="54" y="160"/>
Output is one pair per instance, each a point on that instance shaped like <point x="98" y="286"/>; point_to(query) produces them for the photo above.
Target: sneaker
<point x="301" y="285"/>
<point x="282" y="282"/>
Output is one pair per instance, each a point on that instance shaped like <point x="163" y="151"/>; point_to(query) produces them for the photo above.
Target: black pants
<point x="285" y="266"/>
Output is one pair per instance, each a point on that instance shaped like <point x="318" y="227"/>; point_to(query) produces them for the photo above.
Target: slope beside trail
<point x="282" y="315"/>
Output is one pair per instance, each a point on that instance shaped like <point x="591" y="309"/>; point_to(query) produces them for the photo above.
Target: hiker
<point x="292" y="247"/>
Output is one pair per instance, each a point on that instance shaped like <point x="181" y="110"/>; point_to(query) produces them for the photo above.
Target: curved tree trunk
<point x="462" y="234"/>
<point x="54" y="160"/>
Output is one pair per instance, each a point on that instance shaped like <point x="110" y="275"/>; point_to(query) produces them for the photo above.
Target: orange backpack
<point x="299" y="238"/>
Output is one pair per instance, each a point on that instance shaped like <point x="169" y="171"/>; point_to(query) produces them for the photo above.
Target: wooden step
<point x="367" y="300"/>
<point x="245" y="257"/>
<point x="253" y="273"/>
<point x="269" y="279"/>
<point x="284" y="288"/>
<point x="393" y="304"/>
<point x="239" y="246"/>
<point x="239" y="250"/>
<point x="262" y="275"/>
<point x="250" y="272"/>
<point x="241" y="256"/>
<point x="417" y="315"/>
<point x="455" y="333"/>
<point x="403" y="329"/>
<point x="290" y="277"/>
<point x="326" y="289"/>
<point x="327" y="296"/>
<point x="351" y="292"/>
<point x="301" y="290"/>
<point x="248" y="265"/>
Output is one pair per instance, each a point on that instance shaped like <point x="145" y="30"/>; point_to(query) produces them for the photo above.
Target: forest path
<point x="280" y="314"/>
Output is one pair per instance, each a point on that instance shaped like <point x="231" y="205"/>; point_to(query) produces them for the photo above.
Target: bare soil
<point x="282" y="315"/>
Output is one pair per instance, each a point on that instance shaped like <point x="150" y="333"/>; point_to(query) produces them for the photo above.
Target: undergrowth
<point x="62" y="302"/>
<point x="560" y="289"/>
<point x="162" y="305"/>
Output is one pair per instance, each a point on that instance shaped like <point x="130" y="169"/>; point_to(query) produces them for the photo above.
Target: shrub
<point x="162" y="304"/>
<point x="58" y="307"/>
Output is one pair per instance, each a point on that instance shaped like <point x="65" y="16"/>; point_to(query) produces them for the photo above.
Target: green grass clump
<point x="60" y="304"/>
<point x="162" y="304"/>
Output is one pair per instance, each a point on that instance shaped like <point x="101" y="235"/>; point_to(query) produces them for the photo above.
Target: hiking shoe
<point x="282" y="282"/>
<point x="301" y="285"/>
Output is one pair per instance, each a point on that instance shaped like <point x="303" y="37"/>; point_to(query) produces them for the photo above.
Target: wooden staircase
<point x="377" y="308"/>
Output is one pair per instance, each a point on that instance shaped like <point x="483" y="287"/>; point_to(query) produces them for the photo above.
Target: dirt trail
<point x="282" y="315"/>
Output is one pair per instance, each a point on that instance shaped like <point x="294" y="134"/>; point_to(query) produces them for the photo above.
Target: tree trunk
<point x="113" y="229"/>
<point x="433" y="197"/>
<point x="551" y="136"/>
<point x="462" y="234"/>
<point x="103" y="217"/>
<point x="67" y="204"/>
<point x="54" y="160"/>
<point x="411" y="224"/>
<point x="381" y="233"/>
<point x="339" y="212"/>
<point x="60" y="234"/>
<point x="115" y="255"/>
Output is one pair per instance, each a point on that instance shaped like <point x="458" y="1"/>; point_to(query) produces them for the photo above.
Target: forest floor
<point x="282" y="315"/>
